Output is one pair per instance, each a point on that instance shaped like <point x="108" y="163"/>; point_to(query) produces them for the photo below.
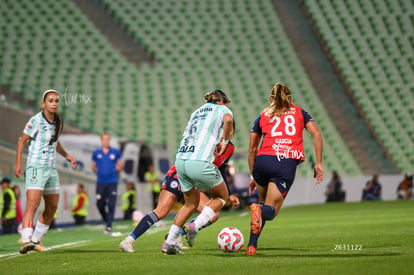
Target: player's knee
<point x="49" y="212"/>
<point x="161" y="213"/>
<point x="222" y="200"/>
<point x="268" y="212"/>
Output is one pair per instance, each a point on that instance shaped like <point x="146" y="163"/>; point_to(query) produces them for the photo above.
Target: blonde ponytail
<point x="281" y="100"/>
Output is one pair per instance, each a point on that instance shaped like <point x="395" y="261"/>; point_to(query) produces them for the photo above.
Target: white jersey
<point x="203" y="133"/>
<point x="40" y="131"/>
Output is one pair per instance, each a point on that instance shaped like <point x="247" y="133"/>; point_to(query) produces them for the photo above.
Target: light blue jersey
<point x="203" y="133"/>
<point x="40" y="131"/>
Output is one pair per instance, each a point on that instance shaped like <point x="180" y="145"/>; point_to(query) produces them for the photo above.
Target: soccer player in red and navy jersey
<point x="273" y="165"/>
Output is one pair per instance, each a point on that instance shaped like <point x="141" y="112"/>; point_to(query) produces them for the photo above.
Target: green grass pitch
<point x="351" y="238"/>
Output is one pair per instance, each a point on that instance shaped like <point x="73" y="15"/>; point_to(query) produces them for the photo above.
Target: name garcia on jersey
<point x="282" y="135"/>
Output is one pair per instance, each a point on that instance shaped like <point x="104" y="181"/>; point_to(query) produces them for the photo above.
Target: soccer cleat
<point x="171" y="249"/>
<point x="180" y="243"/>
<point x="164" y="247"/>
<point x="256" y="220"/>
<point x="190" y="233"/>
<point x="38" y="247"/>
<point x="108" y="231"/>
<point x="26" y="247"/>
<point x="250" y="250"/>
<point x="127" y="245"/>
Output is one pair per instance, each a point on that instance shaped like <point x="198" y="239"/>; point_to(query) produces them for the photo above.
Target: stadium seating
<point x="238" y="46"/>
<point x="224" y="53"/>
<point x="371" y="43"/>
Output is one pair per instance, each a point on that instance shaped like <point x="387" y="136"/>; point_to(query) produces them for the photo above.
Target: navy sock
<point x="255" y="237"/>
<point x="146" y="222"/>
<point x="268" y="212"/>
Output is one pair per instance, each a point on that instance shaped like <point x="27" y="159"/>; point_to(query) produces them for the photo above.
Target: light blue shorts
<point x="42" y="178"/>
<point x="195" y="173"/>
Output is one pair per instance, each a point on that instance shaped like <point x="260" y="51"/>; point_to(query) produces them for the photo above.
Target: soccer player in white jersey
<point x="207" y="133"/>
<point x="42" y="132"/>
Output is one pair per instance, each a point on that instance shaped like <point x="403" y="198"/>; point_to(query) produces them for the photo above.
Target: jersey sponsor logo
<point x="186" y="149"/>
<point x="286" y="153"/>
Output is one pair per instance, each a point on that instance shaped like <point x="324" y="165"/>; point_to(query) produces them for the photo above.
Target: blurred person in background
<point x="129" y="199"/>
<point x="106" y="164"/>
<point x="405" y="188"/>
<point x="372" y="190"/>
<point x="80" y="205"/>
<point x="334" y="190"/>
<point x="151" y="177"/>
<point x="19" y="212"/>
<point x="7" y="207"/>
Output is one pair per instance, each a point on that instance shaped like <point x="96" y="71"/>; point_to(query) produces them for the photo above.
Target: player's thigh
<point x="205" y="174"/>
<point x="35" y="178"/>
<point x="184" y="179"/>
<point x="52" y="185"/>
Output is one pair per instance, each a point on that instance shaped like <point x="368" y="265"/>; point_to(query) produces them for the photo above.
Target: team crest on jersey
<point x="34" y="180"/>
<point x="174" y="184"/>
<point x="112" y="156"/>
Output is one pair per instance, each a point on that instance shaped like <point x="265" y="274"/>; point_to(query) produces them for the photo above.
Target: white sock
<point x="27" y="234"/>
<point x="40" y="230"/>
<point x="173" y="234"/>
<point x="205" y="216"/>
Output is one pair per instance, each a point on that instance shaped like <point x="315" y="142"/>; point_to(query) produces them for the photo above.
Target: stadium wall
<point x="304" y="190"/>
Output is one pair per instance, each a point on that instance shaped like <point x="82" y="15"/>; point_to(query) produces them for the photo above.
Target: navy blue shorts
<point x="173" y="186"/>
<point x="272" y="169"/>
<point x="106" y="191"/>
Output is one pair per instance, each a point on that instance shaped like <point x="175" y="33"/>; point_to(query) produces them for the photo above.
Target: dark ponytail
<point x="58" y="129"/>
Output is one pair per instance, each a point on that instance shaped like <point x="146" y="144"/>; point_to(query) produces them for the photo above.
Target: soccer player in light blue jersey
<point x="207" y="134"/>
<point x="42" y="132"/>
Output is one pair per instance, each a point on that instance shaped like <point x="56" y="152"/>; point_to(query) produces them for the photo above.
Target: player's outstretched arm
<point x="318" y="146"/>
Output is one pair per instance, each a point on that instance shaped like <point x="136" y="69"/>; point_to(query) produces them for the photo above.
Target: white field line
<point x="72" y="244"/>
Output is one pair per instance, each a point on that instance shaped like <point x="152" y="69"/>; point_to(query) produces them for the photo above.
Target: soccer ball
<point x="230" y="239"/>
